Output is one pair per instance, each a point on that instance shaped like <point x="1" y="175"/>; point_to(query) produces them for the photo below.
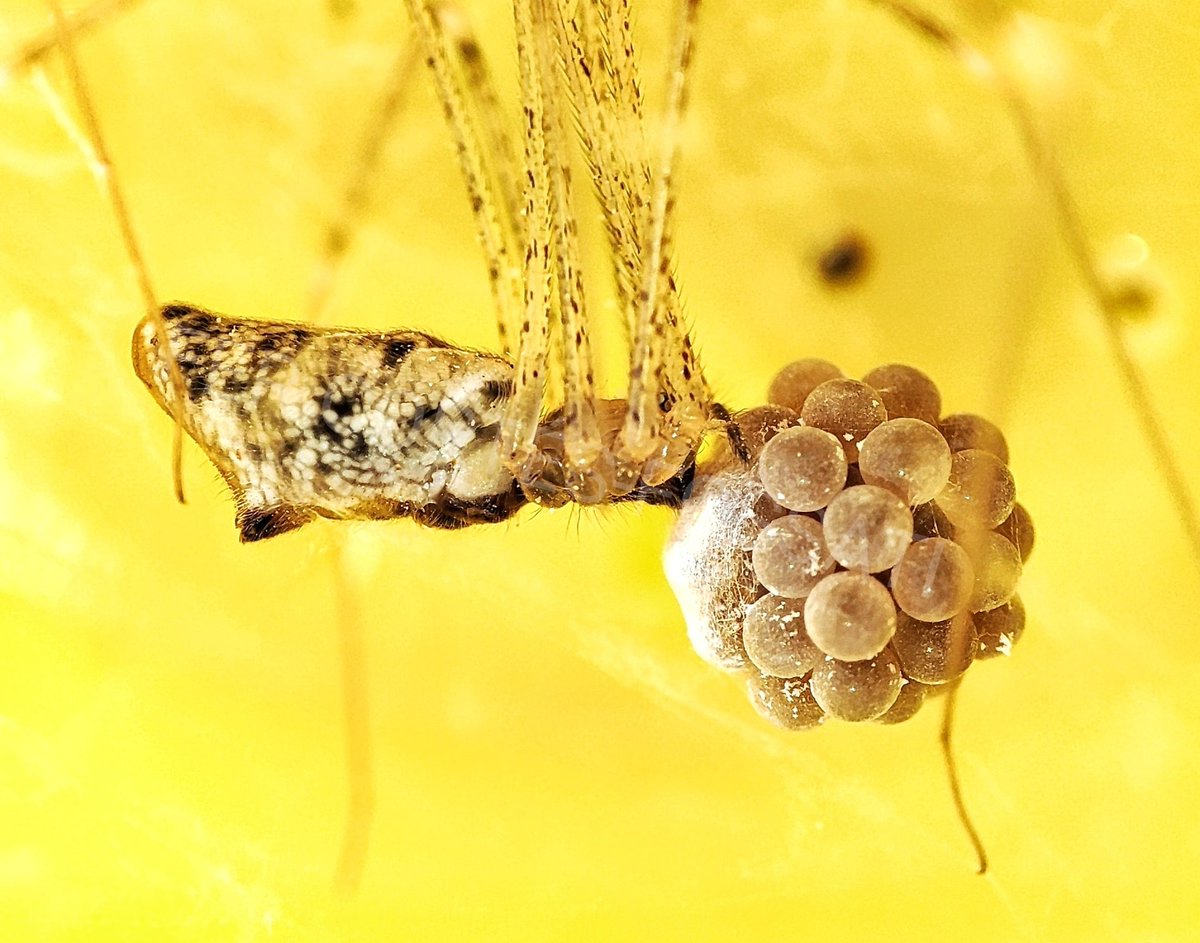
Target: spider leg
<point x="596" y="45"/>
<point x="661" y="360"/>
<point x="1109" y="303"/>
<point x="34" y="50"/>
<point x="356" y="714"/>
<point x="481" y="91"/>
<point x="523" y="412"/>
<point x="96" y="150"/>
<point x="341" y="228"/>
<point x="582" y="443"/>
<point x="487" y="205"/>
<point x="606" y="94"/>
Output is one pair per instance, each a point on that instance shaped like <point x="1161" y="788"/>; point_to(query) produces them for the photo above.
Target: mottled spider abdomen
<point x="852" y="550"/>
<point x="306" y="421"/>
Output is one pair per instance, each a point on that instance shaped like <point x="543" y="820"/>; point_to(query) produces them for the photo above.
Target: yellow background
<point x="553" y="761"/>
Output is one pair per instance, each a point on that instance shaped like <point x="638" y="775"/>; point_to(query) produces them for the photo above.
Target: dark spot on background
<point x="844" y="262"/>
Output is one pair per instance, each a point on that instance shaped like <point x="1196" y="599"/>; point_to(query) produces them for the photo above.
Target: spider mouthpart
<point x="867" y="555"/>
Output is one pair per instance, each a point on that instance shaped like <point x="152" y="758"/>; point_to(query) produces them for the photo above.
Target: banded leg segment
<point x="662" y="364"/>
<point x="582" y="445"/>
<point x="524" y="409"/>
<point x="494" y="235"/>
<point x="669" y="401"/>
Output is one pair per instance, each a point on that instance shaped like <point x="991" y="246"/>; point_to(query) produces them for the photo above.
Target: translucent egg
<point x="760" y="425"/>
<point x="857" y="690"/>
<point x="906" y="391"/>
<point x="802" y="468"/>
<point x="980" y="492"/>
<point x="1000" y="629"/>
<point x="1018" y="527"/>
<point x="791" y="385"/>
<point x="929" y="521"/>
<point x="933" y="581"/>
<point x="790" y="556"/>
<point x="935" y="652"/>
<point x="848" y="409"/>
<point x="908" y="457"/>
<point x="967" y="431"/>
<point x="911" y="697"/>
<point x="775" y="638"/>
<point x="997" y="565"/>
<point x="785" y="702"/>
<point x="850" y="616"/>
<point x="867" y="528"/>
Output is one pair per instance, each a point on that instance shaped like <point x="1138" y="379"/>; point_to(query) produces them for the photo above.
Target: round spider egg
<point x="997" y="566"/>
<point x="790" y="556"/>
<point x="760" y="425"/>
<point x="857" y="690"/>
<point x="964" y="431"/>
<point x="1018" y="528"/>
<point x="802" y="468"/>
<point x="848" y="409"/>
<point x="908" y="702"/>
<point x="867" y="528"/>
<point x="775" y="639"/>
<point x="934" y="580"/>
<point x="850" y="616"/>
<point x="909" y="457"/>
<point x="935" y="652"/>
<point x="1000" y="629"/>
<point x="980" y="491"/>
<point x="785" y="702"/>
<point x="791" y="385"/>
<point x="906" y="391"/>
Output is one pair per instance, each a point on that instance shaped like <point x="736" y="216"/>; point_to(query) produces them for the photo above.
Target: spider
<point x="350" y="424"/>
<point x="736" y="396"/>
